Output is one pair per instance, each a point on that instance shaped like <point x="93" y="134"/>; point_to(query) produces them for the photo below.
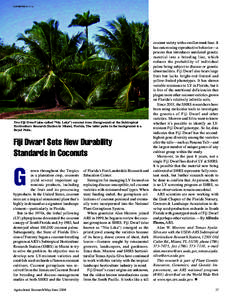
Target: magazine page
<point x="115" y="149"/>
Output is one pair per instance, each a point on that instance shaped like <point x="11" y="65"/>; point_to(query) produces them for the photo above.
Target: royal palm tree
<point x="48" y="66"/>
<point x="126" y="46"/>
<point x="85" y="20"/>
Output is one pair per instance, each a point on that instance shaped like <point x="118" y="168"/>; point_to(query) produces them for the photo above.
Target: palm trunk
<point x="56" y="99"/>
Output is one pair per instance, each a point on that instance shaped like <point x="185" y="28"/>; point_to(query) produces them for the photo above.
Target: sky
<point x="15" y="20"/>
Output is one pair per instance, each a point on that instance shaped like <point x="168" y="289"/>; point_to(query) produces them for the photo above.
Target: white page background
<point x="169" y="20"/>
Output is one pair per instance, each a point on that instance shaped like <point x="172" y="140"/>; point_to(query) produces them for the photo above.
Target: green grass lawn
<point x="99" y="112"/>
<point x="93" y="113"/>
<point x="11" y="105"/>
<point x="7" y="106"/>
<point x="11" y="109"/>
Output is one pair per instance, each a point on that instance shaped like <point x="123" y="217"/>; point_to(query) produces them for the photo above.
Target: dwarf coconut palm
<point x="49" y="65"/>
<point x="85" y="20"/>
<point x="126" y="70"/>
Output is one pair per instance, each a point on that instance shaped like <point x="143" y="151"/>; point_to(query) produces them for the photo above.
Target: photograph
<point x="71" y="60"/>
<point x="115" y="154"/>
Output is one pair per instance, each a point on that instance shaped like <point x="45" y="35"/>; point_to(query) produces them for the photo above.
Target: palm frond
<point x="70" y="96"/>
<point x="76" y="77"/>
<point x="142" y="75"/>
<point x="6" y="83"/>
<point x="35" y="49"/>
<point x="22" y="70"/>
<point x="67" y="62"/>
<point x="144" y="66"/>
<point x="99" y="64"/>
<point x="50" y="80"/>
<point x="105" y="79"/>
<point x="123" y="97"/>
<point x="86" y="19"/>
<point x="95" y="95"/>
<point x="32" y="92"/>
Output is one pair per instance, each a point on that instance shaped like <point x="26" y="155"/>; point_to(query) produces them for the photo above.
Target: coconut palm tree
<point x="49" y="65"/>
<point x="85" y="20"/>
<point x="6" y="84"/>
<point x="126" y="70"/>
